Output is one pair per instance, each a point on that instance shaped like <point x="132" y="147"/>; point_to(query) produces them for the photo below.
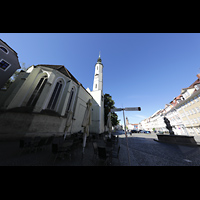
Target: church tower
<point x="98" y="76"/>
<point x="97" y="94"/>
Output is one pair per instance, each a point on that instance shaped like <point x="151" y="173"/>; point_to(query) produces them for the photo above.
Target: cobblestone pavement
<point x="12" y="155"/>
<point x="144" y="151"/>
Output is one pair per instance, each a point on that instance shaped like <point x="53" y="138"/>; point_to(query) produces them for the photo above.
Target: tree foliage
<point x="109" y="104"/>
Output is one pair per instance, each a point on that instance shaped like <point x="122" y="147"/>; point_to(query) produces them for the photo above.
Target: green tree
<point x="109" y="104"/>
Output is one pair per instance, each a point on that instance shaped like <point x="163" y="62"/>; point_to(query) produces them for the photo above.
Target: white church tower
<point x="98" y="76"/>
<point x="97" y="93"/>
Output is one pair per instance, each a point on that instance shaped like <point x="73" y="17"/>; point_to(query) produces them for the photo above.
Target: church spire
<point x="98" y="75"/>
<point x="99" y="59"/>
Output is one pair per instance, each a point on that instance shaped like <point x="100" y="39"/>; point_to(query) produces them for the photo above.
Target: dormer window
<point x="4" y="65"/>
<point x="4" y="49"/>
<point x="196" y="87"/>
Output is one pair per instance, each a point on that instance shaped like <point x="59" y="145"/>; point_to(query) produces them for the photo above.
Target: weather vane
<point x="99" y="54"/>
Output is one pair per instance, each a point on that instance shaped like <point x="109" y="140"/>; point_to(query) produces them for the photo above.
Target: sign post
<point x="126" y="109"/>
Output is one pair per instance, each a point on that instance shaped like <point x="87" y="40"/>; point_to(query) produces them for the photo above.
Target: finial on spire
<point x="99" y="59"/>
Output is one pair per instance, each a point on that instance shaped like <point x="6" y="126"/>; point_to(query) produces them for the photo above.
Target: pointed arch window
<point x="70" y="100"/>
<point x="36" y="93"/>
<point x="55" y="95"/>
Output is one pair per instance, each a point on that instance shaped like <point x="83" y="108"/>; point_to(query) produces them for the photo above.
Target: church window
<point x="97" y="67"/>
<point x="4" y="65"/>
<point x="4" y="49"/>
<point x="36" y="93"/>
<point x="95" y="85"/>
<point x="55" y="95"/>
<point x="70" y="100"/>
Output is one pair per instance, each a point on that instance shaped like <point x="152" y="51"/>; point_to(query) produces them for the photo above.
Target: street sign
<point x="116" y="109"/>
<point x="133" y="109"/>
<point x="126" y="109"/>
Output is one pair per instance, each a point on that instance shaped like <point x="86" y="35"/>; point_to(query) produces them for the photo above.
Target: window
<point x="70" y="100"/>
<point x="197" y="108"/>
<point x="4" y="65"/>
<point x="55" y="95"/>
<point x="95" y="85"/>
<point x="186" y="122"/>
<point x="4" y="49"/>
<point x="194" y="111"/>
<point x="196" y="87"/>
<point x="36" y="93"/>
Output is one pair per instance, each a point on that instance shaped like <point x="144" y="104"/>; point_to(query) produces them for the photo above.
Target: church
<point x="49" y="99"/>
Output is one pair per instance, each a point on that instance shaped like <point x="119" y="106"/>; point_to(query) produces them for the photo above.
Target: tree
<point x="109" y="104"/>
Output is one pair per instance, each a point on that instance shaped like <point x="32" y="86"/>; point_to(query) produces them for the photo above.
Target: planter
<point x="177" y="139"/>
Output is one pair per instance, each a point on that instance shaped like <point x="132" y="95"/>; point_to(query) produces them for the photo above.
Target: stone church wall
<point x="21" y="123"/>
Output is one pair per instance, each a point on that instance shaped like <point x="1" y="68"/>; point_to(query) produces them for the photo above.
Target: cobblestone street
<point x="12" y="155"/>
<point x="144" y="151"/>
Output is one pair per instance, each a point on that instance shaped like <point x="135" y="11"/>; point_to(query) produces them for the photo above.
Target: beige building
<point x="183" y="113"/>
<point x="189" y="108"/>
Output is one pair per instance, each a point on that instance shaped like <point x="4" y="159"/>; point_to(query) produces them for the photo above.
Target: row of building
<point x="47" y="98"/>
<point x="183" y="112"/>
<point x="130" y="126"/>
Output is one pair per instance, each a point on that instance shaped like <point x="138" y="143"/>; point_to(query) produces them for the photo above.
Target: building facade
<point x="48" y="99"/>
<point x="9" y="62"/>
<point x="130" y="126"/>
<point x="183" y="113"/>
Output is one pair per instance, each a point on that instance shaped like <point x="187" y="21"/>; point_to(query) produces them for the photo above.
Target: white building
<point x="49" y="99"/>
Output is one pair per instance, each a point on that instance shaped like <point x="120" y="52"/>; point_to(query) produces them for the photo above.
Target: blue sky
<point x="140" y="69"/>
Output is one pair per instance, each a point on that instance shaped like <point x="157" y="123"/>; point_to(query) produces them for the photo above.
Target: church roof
<point x="63" y="70"/>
